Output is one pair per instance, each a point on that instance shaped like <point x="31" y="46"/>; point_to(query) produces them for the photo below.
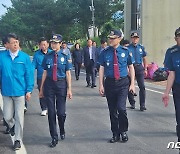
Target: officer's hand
<point x="165" y="99"/>
<point x="132" y="89"/>
<point x="41" y="95"/>
<point x="145" y="73"/>
<point x="69" y="94"/>
<point x="101" y="90"/>
<point x="28" y="96"/>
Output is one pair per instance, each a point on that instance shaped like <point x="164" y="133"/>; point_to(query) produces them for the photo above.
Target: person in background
<point x="140" y="66"/>
<point x="125" y="43"/>
<point x="90" y="61"/>
<point x="67" y="52"/>
<point x="77" y="59"/>
<point x="5" y="44"/>
<point x="99" y="51"/>
<point x="37" y="64"/>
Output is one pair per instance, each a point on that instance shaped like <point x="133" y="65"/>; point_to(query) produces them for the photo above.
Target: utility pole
<point x="92" y="9"/>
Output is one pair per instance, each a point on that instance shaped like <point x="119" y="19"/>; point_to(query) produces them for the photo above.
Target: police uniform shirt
<point x="168" y="52"/>
<point x="173" y="62"/>
<point x="106" y="59"/>
<point x="138" y="52"/>
<point x="62" y="64"/>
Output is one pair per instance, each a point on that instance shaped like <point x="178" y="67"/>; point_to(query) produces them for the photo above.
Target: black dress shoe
<point x="17" y="145"/>
<point x="77" y="78"/>
<point x="143" y="108"/>
<point x="62" y="136"/>
<point x="7" y="131"/>
<point x="114" y="139"/>
<point x="93" y="86"/>
<point x="124" y="137"/>
<point x="12" y="131"/>
<point x="53" y="143"/>
<point x="132" y="106"/>
<point x="88" y="85"/>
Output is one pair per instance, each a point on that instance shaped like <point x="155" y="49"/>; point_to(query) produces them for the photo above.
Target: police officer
<point x="77" y="59"/>
<point x="37" y="64"/>
<point x="140" y="67"/>
<point x="67" y="52"/>
<point x="113" y="64"/>
<point x="57" y="78"/>
<point x="172" y="62"/>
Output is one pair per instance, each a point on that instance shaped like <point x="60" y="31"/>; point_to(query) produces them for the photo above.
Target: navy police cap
<point x="177" y="32"/>
<point x="134" y="34"/>
<point x="115" y="34"/>
<point x="56" y="38"/>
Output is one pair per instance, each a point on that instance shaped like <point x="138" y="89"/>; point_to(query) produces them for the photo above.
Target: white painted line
<point x="155" y="91"/>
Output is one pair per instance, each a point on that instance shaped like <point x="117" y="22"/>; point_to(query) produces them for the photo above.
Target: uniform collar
<point x="59" y="52"/>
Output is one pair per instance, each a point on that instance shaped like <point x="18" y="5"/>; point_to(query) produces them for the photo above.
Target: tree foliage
<point x="31" y="19"/>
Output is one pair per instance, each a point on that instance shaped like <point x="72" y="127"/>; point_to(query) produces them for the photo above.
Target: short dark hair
<point x="76" y="45"/>
<point x="64" y="42"/>
<point x="89" y="39"/>
<point x="12" y="35"/>
<point x="123" y="42"/>
<point x="4" y="40"/>
<point x="43" y="39"/>
<point x="103" y="40"/>
<point x="177" y="32"/>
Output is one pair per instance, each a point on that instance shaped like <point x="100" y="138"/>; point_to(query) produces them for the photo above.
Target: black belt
<point x="137" y="64"/>
<point x="58" y="79"/>
<point x="113" y="79"/>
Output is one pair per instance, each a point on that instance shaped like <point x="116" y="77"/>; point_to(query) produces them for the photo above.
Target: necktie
<point x="55" y="67"/>
<point x="116" y="66"/>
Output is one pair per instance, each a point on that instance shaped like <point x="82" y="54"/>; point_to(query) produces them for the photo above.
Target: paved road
<point x="88" y="126"/>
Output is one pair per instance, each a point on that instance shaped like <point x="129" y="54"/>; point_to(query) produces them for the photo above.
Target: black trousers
<point x="43" y="101"/>
<point x="90" y="72"/>
<point x="56" y="92"/>
<point x="176" y="98"/>
<point x="139" y="74"/>
<point x="77" y="69"/>
<point x="116" y="94"/>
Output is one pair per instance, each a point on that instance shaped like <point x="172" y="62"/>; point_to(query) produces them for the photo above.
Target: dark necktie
<point x="55" y="67"/>
<point x="116" y="66"/>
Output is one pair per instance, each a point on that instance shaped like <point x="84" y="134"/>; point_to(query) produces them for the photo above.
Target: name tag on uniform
<point x="48" y="66"/>
<point x="140" y="50"/>
<point x="62" y="59"/>
<point x="123" y="55"/>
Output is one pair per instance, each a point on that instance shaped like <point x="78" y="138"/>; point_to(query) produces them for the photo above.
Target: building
<point x="156" y="21"/>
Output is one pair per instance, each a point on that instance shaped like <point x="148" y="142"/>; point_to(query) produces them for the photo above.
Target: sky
<point x="2" y="9"/>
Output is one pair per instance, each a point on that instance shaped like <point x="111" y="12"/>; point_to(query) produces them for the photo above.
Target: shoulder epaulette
<point x="49" y="53"/>
<point x="124" y="48"/>
<point x="64" y="53"/>
<point x="172" y="49"/>
<point x="107" y="48"/>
